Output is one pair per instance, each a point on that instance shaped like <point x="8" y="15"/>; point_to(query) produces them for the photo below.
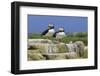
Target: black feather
<point x="54" y="35"/>
<point x="44" y="32"/>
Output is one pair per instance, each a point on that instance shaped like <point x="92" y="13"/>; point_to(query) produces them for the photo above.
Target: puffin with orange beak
<point x="49" y="32"/>
<point x="60" y="34"/>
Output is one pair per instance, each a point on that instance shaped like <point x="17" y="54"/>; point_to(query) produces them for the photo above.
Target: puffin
<point x="59" y="34"/>
<point x="49" y="32"/>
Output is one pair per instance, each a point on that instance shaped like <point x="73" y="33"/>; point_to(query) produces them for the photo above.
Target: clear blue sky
<point x="38" y="23"/>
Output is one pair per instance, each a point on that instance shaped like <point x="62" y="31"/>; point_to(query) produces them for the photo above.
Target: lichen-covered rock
<point x="51" y="57"/>
<point x="56" y="56"/>
<point x="62" y="48"/>
<point x="72" y="55"/>
<point x="60" y="56"/>
<point x="39" y="48"/>
<point x="71" y="47"/>
<point x="36" y="56"/>
<point x="33" y="51"/>
<point x="85" y="53"/>
<point x="44" y="49"/>
<point x="79" y="48"/>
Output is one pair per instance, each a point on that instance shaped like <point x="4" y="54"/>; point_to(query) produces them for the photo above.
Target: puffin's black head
<point x="50" y="26"/>
<point x="61" y="30"/>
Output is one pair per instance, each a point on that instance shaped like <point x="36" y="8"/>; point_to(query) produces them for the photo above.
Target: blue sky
<point x="38" y="23"/>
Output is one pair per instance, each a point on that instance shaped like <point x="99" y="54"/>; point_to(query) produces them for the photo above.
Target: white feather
<point x="50" y="32"/>
<point x="60" y="35"/>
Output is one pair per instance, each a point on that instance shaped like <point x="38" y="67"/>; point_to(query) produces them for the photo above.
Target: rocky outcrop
<point x="43" y="49"/>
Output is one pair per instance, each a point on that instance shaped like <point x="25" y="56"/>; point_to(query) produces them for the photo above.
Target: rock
<point x="60" y="56"/>
<point x="35" y="56"/>
<point x="71" y="47"/>
<point x="50" y="56"/>
<point x="79" y="48"/>
<point x="33" y="51"/>
<point x="44" y="49"/>
<point x="56" y="56"/>
<point x="32" y="47"/>
<point x="85" y="53"/>
<point x="85" y="48"/>
<point x="39" y="48"/>
<point x="72" y="55"/>
<point x="62" y="48"/>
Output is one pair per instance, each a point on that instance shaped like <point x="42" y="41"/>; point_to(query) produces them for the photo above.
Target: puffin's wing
<point x="54" y="35"/>
<point x="44" y="32"/>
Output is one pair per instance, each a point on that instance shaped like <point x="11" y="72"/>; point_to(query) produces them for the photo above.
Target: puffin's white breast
<point x="50" y="32"/>
<point x="60" y="35"/>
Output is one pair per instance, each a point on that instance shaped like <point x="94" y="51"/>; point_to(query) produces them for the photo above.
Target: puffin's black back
<point x="44" y="32"/>
<point x="54" y="35"/>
